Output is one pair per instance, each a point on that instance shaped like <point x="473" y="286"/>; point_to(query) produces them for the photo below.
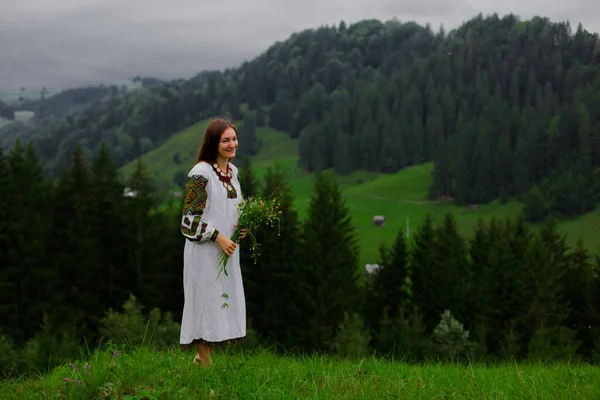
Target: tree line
<point x="75" y="247"/>
<point x="505" y="108"/>
<point x="518" y="292"/>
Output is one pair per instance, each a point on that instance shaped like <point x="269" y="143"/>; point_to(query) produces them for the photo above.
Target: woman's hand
<point x="242" y="232"/>
<point x="227" y="245"/>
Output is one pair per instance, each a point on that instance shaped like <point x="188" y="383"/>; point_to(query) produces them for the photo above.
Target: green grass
<point x="159" y="162"/>
<point x="146" y="374"/>
<point x="401" y="197"/>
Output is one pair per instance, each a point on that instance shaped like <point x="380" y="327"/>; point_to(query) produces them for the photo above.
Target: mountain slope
<point x="504" y="107"/>
<point x="401" y="197"/>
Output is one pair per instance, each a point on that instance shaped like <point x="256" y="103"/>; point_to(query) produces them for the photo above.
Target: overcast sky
<point x="66" y="43"/>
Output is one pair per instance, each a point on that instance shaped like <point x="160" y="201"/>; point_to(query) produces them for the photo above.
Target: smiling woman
<point x="209" y="217"/>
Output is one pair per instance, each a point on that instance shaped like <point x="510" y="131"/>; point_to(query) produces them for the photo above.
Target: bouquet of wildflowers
<point x="254" y="213"/>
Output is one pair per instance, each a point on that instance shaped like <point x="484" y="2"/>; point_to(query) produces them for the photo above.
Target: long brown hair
<point x="212" y="136"/>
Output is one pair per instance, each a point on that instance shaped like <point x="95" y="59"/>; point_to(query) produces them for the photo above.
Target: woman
<point x="210" y="213"/>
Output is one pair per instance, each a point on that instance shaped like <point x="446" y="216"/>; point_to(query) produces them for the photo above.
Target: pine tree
<point x="249" y="186"/>
<point x="269" y="281"/>
<point x="449" y="111"/>
<point x="442" y="186"/>
<point x="396" y="151"/>
<point x="479" y="254"/>
<point x="482" y="189"/>
<point x="161" y="281"/>
<point x="582" y="292"/>
<point x="475" y="301"/>
<point x="450" y="338"/>
<point x="596" y="185"/>
<point x="435" y="133"/>
<point x="381" y="138"/>
<point x="310" y="149"/>
<point x="501" y="286"/>
<point x="434" y="130"/>
<point x="339" y="124"/>
<point x="467" y="170"/>
<point x="520" y="171"/>
<point x="372" y="305"/>
<point x="515" y="90"/>
<point x="111" y="230"/>
<point x="388" y="291"/>
<point x="342" y="162"/>
<point x="544" y="295"/>
<point x="261" y="117"/>
<point x="537" y="206"/>
<point x="392" y="279"/>
<point x="249" y="144"/>
<point x="422" y="273"/>
<point x="27" y="214"/>
<point x="530" y="88"/>
<point x="138" y="210"/>
<point x="320" y="156"/>
<point x="248" y="182"/>
<point x="329" y="260"/>
<point x="368" y="146"/>
<point x="450" y="271"/>
<point x="8" y="286"/>
<point x="75" y="249"/>
<point x="584" y="132"/>
<point x="281" y="113"/>
<point x="502" y="170"/>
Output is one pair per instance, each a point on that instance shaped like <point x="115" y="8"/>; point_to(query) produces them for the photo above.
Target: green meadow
<point x="147" y="374"/>
<point x="400" y="197"/>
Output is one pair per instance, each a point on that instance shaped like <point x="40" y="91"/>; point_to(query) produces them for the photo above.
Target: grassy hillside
<point x="161" y="164"/>
<point x="146" y="374"/>
<point x="400" y="197"/>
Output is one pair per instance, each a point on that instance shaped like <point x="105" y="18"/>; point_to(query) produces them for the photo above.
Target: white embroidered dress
<point x="209" y="208"/>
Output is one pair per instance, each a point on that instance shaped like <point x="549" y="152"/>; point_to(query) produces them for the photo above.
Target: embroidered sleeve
<point x="193" y="226"/>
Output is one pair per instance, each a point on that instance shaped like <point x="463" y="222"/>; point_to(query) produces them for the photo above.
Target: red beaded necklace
<point x="225" y="179"/>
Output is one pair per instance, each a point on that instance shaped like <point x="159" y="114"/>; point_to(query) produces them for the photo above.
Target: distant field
<point x="9" y="96"/>
<point x="400" y="197"/>
<point x="34" y="93"/>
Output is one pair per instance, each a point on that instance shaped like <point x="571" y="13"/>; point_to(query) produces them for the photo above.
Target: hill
<point x="169" y="164"/>
<point x="402" y="197"/>
<point x="504" y="107"/>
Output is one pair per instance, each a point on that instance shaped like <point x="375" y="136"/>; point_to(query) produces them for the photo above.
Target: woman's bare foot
<point x="206" y="360"/>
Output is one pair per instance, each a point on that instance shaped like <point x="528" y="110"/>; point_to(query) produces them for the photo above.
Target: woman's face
<point x="228" y="144"/>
